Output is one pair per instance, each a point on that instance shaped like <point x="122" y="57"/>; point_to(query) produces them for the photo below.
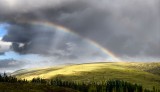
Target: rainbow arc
<point x="64" y="29"/>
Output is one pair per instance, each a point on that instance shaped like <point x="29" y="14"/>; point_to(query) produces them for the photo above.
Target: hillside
<point x="146" y="74"/>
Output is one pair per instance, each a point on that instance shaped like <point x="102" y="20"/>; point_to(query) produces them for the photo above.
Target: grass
<point x="145" y="74"/>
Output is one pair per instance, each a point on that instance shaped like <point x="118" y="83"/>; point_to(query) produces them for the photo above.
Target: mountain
<point x="146" y="74"/>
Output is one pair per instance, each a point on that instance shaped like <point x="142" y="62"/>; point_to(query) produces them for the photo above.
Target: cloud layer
<point x="10" y="65"/>
<point x="4" y="46"/>
<point x="129" y="29"/>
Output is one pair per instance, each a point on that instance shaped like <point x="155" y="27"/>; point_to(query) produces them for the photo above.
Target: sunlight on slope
<point x="67" y="70"/>
<point x="127" y="71"/>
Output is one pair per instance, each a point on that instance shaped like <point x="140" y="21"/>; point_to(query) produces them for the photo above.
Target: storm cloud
<point x="10" y="65"/>
<point x="126" y="28"/>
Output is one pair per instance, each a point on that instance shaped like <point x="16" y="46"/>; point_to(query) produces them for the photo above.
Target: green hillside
<point x="146" y="74"/>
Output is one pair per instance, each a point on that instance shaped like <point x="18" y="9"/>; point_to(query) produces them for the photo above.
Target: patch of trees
<point x="10" y="79"/>
<point x="104" y="86"/>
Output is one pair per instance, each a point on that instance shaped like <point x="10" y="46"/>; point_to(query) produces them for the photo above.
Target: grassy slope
<point x="17" y="87"/>
<point x="142" y="73"/>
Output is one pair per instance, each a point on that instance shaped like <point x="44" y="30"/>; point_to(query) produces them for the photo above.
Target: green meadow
<point x="145" y="74"/>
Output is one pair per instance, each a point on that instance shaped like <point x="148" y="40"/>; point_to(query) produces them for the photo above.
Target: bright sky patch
<point x="3" y="31"/>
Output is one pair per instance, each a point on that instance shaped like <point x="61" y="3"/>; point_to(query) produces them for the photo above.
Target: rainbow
<point x="66" y="30"/>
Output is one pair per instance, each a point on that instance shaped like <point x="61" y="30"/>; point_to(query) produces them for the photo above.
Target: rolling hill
<point x="145" y="74"/>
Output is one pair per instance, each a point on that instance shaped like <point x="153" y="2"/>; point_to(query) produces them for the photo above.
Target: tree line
<point x="11" y="79"/>
<point x="104" y="86"/>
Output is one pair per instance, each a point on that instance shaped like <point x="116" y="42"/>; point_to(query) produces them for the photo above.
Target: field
<point x="145" y="74"/>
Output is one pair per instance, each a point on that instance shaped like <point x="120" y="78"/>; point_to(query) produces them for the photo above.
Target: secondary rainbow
<point x="61" y="28"/>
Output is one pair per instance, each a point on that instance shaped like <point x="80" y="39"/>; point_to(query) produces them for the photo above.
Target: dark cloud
<point x="2" y="53"/>
<point x="41" y="40"/>
<point x="126" y="28"/>
<point x="10" y="63"/>
<point x="28" y="35"/>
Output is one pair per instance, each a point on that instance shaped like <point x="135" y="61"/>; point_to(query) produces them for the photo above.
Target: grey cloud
<point x="10" y="63"/>
<point x="126" y="28"/>
<point x="37" y="39"/>
<point x="2" y="53"/>
<point x="34" y="38"/>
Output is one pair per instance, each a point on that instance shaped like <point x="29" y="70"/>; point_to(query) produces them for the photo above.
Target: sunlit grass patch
<point x="133" y="72"/>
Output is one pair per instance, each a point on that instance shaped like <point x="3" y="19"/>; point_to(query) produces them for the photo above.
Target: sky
<point x="3" y="31"/>
<point x="122" y="29"/>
